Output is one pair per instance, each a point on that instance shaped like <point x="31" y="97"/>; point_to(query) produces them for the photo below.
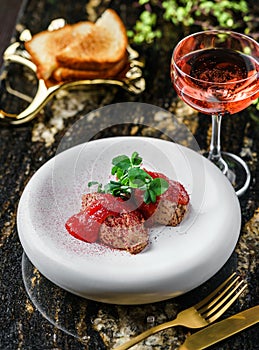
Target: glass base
<point x="62" y="309"/>
<point x="236" y="171"/>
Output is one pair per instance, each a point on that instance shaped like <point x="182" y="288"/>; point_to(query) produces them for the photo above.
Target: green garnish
<point x="130" y="176"/>
<point x="158" y="18"/>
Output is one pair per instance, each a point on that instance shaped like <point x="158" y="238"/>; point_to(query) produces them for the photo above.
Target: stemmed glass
<point x="217" y="72"/>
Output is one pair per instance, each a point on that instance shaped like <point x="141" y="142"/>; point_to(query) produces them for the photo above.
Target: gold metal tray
<point x="132" y="81"/>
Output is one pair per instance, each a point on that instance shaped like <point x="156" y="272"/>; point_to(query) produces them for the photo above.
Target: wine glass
<point x="216" y="72"/>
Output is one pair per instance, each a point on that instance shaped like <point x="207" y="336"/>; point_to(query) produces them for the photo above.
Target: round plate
<point x="177" y="259"/>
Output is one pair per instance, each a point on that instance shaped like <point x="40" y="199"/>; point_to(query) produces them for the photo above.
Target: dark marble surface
<point x="34" y="313"/>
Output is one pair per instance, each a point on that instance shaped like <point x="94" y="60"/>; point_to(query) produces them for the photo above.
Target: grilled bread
<point x="44" y="46"/>
<point x="84" y="50"/>
<point x="67" y="74"/>
<point x="104" y="46"/>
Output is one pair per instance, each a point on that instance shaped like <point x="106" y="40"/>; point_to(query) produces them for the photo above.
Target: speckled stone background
<point x="34" y="313"/>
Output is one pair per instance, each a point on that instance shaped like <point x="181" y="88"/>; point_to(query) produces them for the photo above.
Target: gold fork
<point x="201" y="314"/>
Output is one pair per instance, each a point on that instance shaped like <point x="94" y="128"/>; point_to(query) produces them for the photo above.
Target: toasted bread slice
<point x="44" y="46"/>
<point x="101" y="48"/>
<point x="61" y="74"/>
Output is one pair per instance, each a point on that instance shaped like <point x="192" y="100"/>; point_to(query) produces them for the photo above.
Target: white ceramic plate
<point x="177" y="260"/>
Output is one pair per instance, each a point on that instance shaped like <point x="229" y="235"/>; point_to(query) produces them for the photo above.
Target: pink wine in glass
<point x="217" y="80"/>
<point x="217" y="73"/>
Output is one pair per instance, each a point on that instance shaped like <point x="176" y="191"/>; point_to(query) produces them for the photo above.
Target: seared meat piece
<point x="124" y="228"/>
<point x="169" y="213"/>
<point x="169" y="209"/>
<point x="126" y="231"/>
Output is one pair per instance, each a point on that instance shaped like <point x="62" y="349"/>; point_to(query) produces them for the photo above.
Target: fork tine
<point x="210" y="297"/>
<point x="226" y="291"/>
<point x="201" y="314"/>
<point x="226" y="306"/>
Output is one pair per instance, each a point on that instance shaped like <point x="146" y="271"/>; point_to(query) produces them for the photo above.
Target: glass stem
<point x="215" y="153"/>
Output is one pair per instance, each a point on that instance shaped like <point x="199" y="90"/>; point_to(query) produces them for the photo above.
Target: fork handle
<point x="147" y="333"/>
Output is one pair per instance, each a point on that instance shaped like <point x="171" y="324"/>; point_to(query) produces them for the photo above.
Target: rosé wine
<point x="216" y="80"/>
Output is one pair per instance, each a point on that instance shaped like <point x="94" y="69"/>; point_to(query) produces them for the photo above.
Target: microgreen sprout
<point x="205" y="14"/>
<point x="129" y="176"/>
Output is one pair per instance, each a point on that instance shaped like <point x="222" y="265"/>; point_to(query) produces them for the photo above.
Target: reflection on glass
<point x="216" y="73"/>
